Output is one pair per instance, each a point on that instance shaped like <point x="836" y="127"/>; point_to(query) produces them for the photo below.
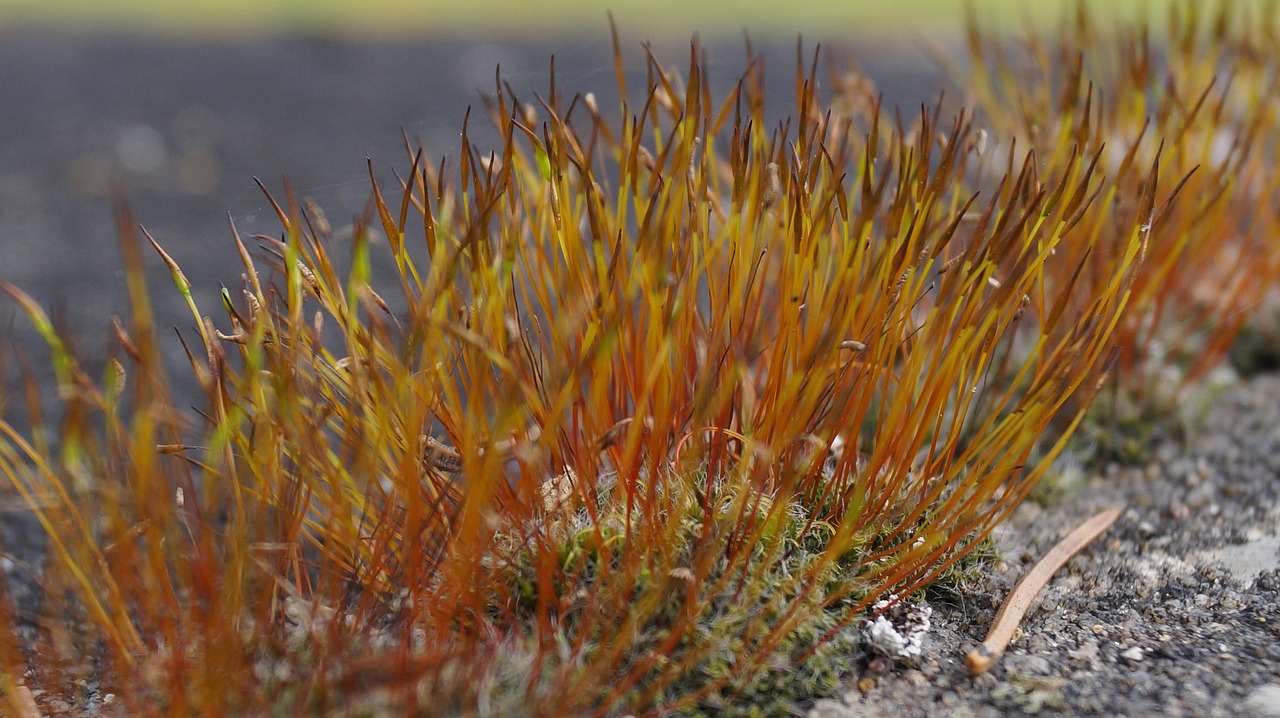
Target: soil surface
<point x="1174" y="611"/>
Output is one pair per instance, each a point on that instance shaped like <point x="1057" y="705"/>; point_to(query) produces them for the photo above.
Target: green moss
<point x="742" y="601"/>
<point x="961" y="578"/>
<point x="1256" y="349"/>
<point x="1123" y="430"/>
<point x="1029" y="695"/>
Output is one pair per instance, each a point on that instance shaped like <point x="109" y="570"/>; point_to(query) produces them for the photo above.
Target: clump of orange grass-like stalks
<point x="1199" y="95"/>
<point x="645" y="400"/>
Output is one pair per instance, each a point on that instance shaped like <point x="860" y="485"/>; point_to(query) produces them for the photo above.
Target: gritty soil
<point x="1175" y="611"/>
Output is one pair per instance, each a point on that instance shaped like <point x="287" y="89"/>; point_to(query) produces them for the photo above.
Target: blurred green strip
<point x="547" y="19"/>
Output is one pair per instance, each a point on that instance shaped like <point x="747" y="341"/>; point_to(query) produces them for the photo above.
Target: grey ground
<point x="1175" y="611"/>
<point x="1162" y="617"/>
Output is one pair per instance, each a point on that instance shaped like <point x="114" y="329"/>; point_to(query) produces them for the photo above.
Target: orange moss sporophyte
<point x="1199" y="97"/>
<point x="657" y="403"/>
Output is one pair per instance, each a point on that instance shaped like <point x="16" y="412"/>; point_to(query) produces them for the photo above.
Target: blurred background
<point x="545" y="20"/>
<point x="181" y="104"/>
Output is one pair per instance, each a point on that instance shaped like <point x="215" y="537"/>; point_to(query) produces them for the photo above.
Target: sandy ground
<point x="1175" y="611"/>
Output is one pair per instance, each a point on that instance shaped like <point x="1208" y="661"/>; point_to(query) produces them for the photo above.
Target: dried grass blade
<point x="981" y="659"/>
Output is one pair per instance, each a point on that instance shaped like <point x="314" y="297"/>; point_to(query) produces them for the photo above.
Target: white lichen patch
<point x="898" y="632"/>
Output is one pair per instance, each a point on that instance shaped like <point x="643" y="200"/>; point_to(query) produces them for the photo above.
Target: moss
<point x="1256" y="349"/>
<point x="1029" y="695"/>
<point x="786" y="286"/>
<point x="959" y="580"/>
<point x="735" y="623"/>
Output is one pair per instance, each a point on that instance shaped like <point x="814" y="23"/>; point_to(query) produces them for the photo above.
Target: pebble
<point x="915" y="678"/>
<point x="880" y="665"/>
<point x="1264" y="701"/>
<point x="1088" y="651"/>
<point x="829" y="708"/>
<point x="1029" y="665"/>
<point x="1133" y="654"/>
<point x="1199" y="497"/>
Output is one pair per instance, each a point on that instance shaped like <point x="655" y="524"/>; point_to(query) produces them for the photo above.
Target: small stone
<point x="1199" y="497"/>
<point x="1264" y="701"/>
<point x="880" y="665"/>
<point x="1203" y="470"/>
<point x="1039" y="642"/>
<point x="866" y="684"/>
<point x="898" y="629"/>
<point x="1133" y="654"/>
<point x="1029" y="665"/>
<point x="829" y="708"/>
<point x="1088" y="651"/>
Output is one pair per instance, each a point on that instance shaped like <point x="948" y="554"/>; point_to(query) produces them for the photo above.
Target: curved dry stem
<point x="981" y="659"/>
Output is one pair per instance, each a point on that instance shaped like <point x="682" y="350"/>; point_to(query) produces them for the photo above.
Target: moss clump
<point x="571" y="464"/>
<point x="729" y="656"/>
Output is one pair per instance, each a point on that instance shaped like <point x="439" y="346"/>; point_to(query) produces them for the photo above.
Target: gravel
<point x="1175" y="611"/>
